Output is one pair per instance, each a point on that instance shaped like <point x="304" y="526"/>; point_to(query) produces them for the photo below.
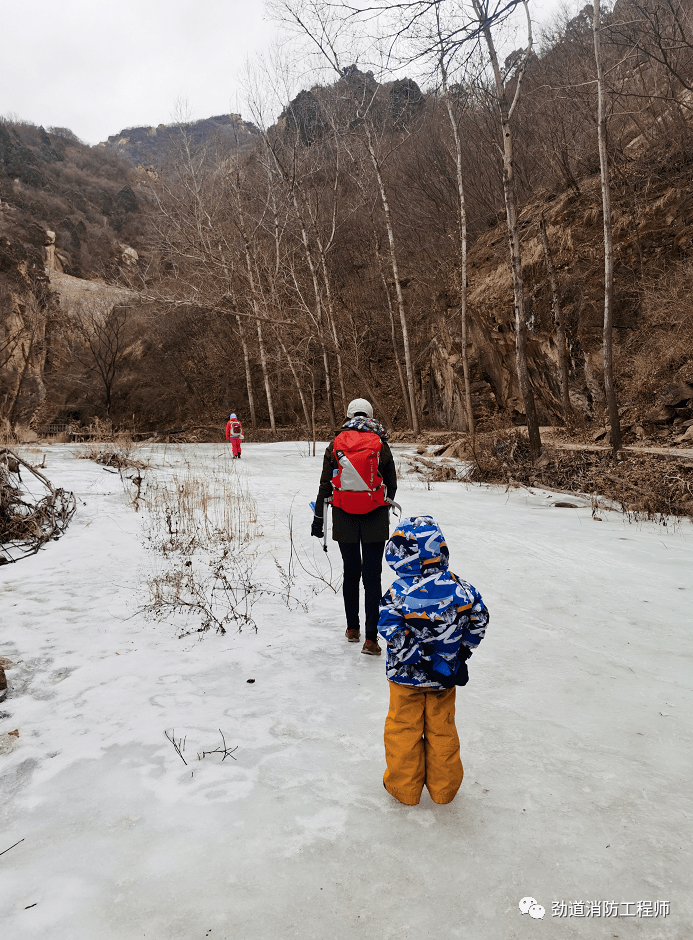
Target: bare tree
<point x="609" y="389"/>
<point x="451" y="108"/>
<point x="506" y="104"/>
<point x="102" y="343"/>
<point x="321" y="27"/>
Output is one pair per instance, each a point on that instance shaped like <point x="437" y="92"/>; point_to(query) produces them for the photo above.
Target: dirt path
<point x="685" y="453"/>
<point x="547" y="438"/>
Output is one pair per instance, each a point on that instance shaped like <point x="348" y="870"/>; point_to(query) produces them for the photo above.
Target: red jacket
<point x="237" y="429"/>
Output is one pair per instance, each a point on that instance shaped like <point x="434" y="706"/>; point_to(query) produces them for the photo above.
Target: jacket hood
<point x="417" y="548"/>
<point x="365" y="424"/>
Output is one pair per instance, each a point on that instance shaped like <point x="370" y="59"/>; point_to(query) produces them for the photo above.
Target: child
<point x="234" y="433"/>
<point x="431" y="621"/>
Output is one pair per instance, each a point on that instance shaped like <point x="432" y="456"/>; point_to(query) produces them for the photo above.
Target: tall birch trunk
<point x="304" y="403"/>
<point x="277" y="307"/>
<point x="248" y="376"/>
<point x="463" y="265"/>
<point x="609" y="389"/>
<point x="395" y="275"/>
<point x="329" y="307"/>
<point x="318" y="308"/>
<point x="402" y="384"/>
<point x="558" y="321"/>
<point x="510" y="195"/>
<point x="265" y="375"/>
<point x="263" y="356"/>
<point x="254" y="303"/>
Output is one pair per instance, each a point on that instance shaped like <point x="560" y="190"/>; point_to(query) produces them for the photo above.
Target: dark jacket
<point x="354" y="527"/>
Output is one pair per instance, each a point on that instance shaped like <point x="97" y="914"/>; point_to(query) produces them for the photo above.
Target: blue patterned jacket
<point x="428" y="612"/>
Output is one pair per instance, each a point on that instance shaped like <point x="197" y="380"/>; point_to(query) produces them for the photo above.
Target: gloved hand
<point x="441" y="665"/>
<point x="316" y="528"/>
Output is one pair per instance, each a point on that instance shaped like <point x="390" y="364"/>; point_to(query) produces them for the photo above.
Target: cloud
<point x="98" y="67"/>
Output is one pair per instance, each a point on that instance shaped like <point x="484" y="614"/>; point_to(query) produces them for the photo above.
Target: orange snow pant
<point x="421" y="745"/>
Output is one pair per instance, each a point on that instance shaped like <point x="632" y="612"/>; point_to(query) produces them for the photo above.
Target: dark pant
<point x="369" y="569"/>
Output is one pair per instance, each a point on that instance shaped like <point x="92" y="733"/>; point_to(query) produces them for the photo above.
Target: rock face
<point x="575" y="233"/>
<point x="53" y="262"/>
<point x="27" y="305"/>
<point x="152" y="146"/>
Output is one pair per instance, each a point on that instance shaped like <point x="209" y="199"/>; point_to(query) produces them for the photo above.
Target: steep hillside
<point x="653" y="246"/>
<point x="80" y="206"/>
<point x="154" y="146"/>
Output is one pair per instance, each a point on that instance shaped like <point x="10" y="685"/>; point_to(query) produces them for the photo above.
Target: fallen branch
<point x="27" y="523"/>
<point x="11" y="847"/>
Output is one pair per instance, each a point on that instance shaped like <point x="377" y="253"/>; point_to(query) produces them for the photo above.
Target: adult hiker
<point x="359" y="475"/>
<point x="234" y="433"/>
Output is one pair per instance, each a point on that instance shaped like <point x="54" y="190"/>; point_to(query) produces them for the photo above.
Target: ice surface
<point x="575" y="727"/>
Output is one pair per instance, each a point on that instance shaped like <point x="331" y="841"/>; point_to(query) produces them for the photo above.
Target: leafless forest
<point x="503" y="239"/>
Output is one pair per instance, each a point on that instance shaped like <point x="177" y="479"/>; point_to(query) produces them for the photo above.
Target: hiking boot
<point x="353" y="634"/>
<point x="371" y="648"/>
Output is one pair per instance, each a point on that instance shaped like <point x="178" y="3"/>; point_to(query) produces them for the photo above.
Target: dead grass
<point x="203" y="525"/>
<point x="189" y="511"/>
<point x="644" y="486"/>
<point x="661" y="349"/>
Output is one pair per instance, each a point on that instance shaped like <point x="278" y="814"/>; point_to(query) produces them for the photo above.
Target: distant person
<point x="431" y="621"/>
<point x="359" y="474"/>
<point x="234" y="433"/>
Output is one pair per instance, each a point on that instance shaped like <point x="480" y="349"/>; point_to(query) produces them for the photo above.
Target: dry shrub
<point x="203" y="526"/>
<point x="204" y="598"/>
<point x="662" y="346"/>
<point x="120" y="456"/>
<point x="645" y="486"/>
<point x="188" y="511"/>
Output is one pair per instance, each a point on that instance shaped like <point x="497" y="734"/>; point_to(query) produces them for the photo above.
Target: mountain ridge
<point x="152" y="146"/>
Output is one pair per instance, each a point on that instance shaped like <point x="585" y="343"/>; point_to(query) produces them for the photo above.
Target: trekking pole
<point x="326" y="505"/>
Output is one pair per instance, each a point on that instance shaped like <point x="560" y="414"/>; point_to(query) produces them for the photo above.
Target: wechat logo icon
<point x="531" y="907"/>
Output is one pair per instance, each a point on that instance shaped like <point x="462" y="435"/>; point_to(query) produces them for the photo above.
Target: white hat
<point x="359" y="406"/>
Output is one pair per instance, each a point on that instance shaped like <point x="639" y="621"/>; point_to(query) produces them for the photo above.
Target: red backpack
<point x="357" y="485"/>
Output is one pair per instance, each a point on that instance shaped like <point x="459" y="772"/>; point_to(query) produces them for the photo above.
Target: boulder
<point x="676" y="394"/>
<point x="686" y="437"/>
<point x="660" y="414"/>
<point x="128" y="255"/>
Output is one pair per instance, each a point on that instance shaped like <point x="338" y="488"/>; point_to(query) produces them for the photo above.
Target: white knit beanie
<point x="359" y="406"/>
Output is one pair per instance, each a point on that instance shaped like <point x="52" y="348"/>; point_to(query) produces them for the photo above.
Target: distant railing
<point x="54" y="429"/>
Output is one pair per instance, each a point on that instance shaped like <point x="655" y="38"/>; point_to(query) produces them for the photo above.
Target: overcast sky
<point x="98" y="66"/>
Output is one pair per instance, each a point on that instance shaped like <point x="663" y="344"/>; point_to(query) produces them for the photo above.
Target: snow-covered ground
<point x="575" y="728"/>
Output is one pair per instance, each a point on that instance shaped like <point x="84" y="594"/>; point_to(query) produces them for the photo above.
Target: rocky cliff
<point x="155" y="146"/>
<point x="652" y="206"/>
